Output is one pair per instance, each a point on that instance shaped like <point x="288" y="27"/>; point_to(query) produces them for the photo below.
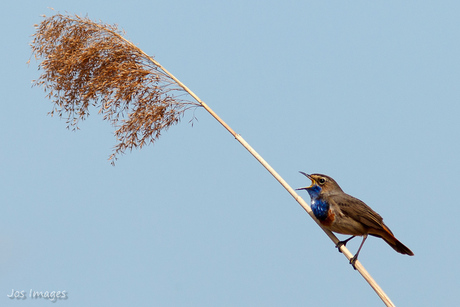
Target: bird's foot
<point x="343" y="243"/>
<point x="340" y="244"/>
<point x="353" y="261"/>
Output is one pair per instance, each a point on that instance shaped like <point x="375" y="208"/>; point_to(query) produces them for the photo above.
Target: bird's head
<point x="320" y="184"/>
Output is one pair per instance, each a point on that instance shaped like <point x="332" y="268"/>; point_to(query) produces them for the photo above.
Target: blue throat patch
<point x="318" y="205"/>
<point x="314" y="191"/>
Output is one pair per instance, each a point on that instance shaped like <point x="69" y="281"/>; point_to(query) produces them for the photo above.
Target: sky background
<point x="364" y="91"/>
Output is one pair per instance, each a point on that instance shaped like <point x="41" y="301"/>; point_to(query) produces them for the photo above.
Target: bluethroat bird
<point x="345" y="214"/>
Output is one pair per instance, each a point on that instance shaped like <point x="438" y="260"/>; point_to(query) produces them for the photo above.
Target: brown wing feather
<point x="359" y="211"/>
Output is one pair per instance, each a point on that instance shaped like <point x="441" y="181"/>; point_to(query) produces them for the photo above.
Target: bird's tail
<point x="386" y="234"/>
<point x="398" y="246"/>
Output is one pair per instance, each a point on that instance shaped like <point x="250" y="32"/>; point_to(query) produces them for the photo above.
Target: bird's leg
<point x="343" y="243"/>
<point x="355" y="257"/>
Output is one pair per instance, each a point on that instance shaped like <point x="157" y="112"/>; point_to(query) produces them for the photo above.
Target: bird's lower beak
<point x="309" y="177"/>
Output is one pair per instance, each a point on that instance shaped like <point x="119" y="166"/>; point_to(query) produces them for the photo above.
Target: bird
<point x="345" y="214"/>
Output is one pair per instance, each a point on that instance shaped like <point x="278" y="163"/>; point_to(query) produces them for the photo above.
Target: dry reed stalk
<point x="88" y="63"/>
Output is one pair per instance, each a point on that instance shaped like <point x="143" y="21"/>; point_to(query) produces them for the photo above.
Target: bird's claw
<point x="353" y="261"/>
<point x="343" y="243"/>
<point x="340" y="244"/>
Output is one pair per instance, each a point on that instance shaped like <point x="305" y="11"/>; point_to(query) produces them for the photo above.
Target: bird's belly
<point x="344" y="225"/>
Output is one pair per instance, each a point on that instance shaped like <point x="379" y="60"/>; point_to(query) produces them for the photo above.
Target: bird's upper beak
<point x="309" y="177"/>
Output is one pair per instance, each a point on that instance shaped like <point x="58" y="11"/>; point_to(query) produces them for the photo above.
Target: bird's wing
<point x="358" y="210"/>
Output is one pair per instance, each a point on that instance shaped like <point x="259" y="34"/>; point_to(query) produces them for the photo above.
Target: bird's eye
<point x="322" y="180"/>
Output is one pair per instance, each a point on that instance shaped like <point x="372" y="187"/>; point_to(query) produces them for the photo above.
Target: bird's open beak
<point x="309" y="177"/>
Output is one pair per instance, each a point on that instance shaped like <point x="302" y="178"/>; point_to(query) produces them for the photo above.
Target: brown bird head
<point x="321" y="184"/>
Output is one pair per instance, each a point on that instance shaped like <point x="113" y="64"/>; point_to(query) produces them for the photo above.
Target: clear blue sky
<point x="366" y="92"/>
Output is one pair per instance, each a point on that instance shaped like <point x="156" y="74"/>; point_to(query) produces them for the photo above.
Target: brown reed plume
<point x="90" y="64"/>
